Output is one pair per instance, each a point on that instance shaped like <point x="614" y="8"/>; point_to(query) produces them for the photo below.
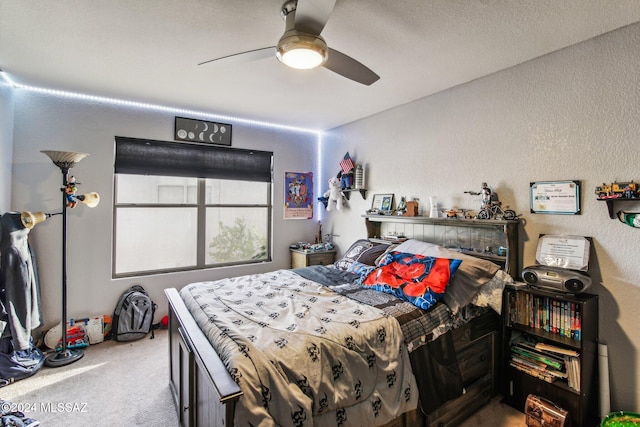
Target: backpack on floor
<point x="18" y="364"/>
<point x="133" y="316"/>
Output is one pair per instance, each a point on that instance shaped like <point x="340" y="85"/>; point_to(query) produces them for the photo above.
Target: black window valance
<point x="149" y="157"/>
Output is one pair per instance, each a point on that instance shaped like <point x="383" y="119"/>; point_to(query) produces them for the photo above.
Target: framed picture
<point x="382" y="203"/>
<point x="298" y="189"/>
<point x="555" y="197"/>
<point x="203" y="132"/>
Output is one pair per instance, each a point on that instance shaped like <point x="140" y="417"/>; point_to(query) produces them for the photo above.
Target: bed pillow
<point x="369" y="256"/>
<point x="472" y="274"/>
<point x="362" y="250"/>
<point x="420" y="280"/>
<point x="362" y="270"/>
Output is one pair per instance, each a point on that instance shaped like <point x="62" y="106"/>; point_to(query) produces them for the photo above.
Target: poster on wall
<point x="555" y="197"/>
<point x="298" y="190"/>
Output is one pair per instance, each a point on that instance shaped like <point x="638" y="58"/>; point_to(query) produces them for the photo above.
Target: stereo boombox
<point x="557" y="279"/>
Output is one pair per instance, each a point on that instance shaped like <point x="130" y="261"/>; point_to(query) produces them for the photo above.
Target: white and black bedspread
<point x="302" y="354"/>
<point x="418" y="326"/>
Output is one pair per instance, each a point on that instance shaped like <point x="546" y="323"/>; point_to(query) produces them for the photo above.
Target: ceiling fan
<point x="302" y="47"/>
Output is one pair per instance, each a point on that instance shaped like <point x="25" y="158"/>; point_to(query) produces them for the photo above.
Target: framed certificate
<point x="571" y="252"/>
<point x="555" y="197"/>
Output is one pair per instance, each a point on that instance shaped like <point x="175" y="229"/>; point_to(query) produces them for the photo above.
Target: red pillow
<point x="418" y="279"/>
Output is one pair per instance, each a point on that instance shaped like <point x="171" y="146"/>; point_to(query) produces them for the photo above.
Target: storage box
<point x="542" y="412"/>
<point x="412" y="209"/>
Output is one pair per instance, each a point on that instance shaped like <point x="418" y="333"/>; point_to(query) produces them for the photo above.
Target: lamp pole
<point x="65" y="160"/>
<point x="66" y="355"/>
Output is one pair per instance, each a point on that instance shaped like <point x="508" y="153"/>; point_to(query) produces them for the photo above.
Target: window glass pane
<point x="236" y="235"/>
<point x="224" y="191"/>
<point x="149" y="189"/>
<point x="155" y="239"/>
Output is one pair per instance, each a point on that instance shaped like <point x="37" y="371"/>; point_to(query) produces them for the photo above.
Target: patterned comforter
<point x="302" y="354"/>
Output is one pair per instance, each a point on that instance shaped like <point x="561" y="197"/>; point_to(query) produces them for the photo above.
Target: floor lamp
<point x="65" y="160"/>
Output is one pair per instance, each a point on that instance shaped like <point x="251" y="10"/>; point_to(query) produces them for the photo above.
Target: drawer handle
<point x="483" y="357"/>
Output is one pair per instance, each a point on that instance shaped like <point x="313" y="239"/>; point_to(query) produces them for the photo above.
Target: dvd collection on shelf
<point x="546" y="362"/>
<point x="546" y="313"/>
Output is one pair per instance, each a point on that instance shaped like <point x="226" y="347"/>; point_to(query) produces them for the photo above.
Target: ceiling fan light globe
<point x="302" y="51"/>
<point x="302" y="59"/>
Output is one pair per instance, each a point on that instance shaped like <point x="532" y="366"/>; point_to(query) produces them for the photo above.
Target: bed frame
<point x="205" y="395"/>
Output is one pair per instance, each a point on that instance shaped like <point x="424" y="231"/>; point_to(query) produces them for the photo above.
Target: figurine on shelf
<point x="629" y="192"/>
<point x="617" y="190"/>
<point x="491" y="206"/>
<point x="488" y="197"/>
<point x="402" y="206"/>
<point x="453" y="212"/>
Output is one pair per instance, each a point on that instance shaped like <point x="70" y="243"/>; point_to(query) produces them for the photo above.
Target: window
<point x="179" y="207"/>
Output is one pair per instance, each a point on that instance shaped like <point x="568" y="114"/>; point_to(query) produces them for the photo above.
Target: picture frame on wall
<point x="203" y="132"/>
<point x="555" y="197"/>
<point x="382" y="204"/>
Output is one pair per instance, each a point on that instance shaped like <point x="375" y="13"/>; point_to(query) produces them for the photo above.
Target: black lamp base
<point x="62" y="358"/>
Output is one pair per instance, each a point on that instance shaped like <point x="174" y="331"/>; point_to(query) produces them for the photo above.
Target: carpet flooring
<point x="127" y="384"/>
<point x="114" y="384"/>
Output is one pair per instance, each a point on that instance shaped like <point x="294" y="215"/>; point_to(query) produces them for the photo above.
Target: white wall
<point x="6" y="145"/>
<point x="44" y="121"/>
<point x="570" y="115"/>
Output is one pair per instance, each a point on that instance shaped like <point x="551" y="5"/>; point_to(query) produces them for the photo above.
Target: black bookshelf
<point x="528" y="316"/>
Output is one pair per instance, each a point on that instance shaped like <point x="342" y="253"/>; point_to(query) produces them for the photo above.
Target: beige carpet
<point x="126" y="384"/>
<point x="114" y="384"/>
<point x="496" y="414"/>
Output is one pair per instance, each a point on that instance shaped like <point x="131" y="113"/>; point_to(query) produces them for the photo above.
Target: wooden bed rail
<point x="196" y="371"/>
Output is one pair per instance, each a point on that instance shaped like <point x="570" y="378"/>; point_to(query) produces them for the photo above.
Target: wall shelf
<point x="611" y="202"/>
<point x="347" y="192"/>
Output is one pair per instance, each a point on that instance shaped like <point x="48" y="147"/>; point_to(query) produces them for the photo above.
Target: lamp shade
<point x="31" y="219"/>
<point x="92" y="199"/>
<point x="64" y="159"/>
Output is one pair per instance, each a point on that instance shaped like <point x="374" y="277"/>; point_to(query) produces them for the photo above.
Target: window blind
<point x="149" y="157"/>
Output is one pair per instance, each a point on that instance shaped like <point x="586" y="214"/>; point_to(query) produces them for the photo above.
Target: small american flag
<point x="346" y="164"/>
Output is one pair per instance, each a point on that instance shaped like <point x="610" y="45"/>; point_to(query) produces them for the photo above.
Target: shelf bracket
<point x="347" y="193"/>
<point x="611" y="202"/>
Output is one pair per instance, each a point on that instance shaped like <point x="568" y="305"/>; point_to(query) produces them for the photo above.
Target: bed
<point x="340" y="345"/>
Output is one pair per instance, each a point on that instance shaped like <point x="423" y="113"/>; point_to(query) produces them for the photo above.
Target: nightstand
<point x="301" y="258"/>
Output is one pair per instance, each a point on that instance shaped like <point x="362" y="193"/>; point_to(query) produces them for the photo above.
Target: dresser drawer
<point x="478" y="327"/>
<point x="455" y="411"/>
<point x="301" y="258"/>
<point x="321" y="258"/>
<point x="476" y="360"/>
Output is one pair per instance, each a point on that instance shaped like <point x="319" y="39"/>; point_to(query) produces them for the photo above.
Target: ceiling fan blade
<point x="348" y="67"/>
<point x="312" y="15"/>
<point x="250" y="55"/>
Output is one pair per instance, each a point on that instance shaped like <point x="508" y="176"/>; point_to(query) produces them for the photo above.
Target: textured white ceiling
<point x="148" y="50"/>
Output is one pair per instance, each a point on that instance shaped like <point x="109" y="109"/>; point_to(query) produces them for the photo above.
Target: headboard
<point x="494" y="240"/>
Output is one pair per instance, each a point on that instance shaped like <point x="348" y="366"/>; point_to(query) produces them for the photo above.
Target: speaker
<point x="557" y="279"/>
